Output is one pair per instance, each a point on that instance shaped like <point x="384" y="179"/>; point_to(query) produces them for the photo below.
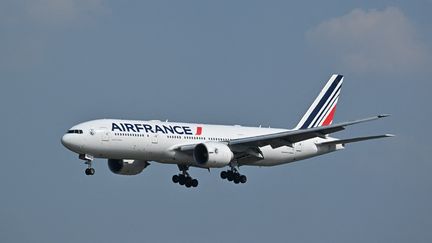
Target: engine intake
<point x="127" y="166"/>
<point x="212" y="154"/>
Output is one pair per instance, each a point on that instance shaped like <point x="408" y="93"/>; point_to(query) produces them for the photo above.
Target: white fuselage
<point x="156" y="141"/>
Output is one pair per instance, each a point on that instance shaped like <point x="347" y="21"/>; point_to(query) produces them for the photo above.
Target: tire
<point x="194" y="182"/>
<point x="223" y="175"/>
<point x="175" y="178"/>
<point x="89" y="171"/>
<point x="182" y="180"/>
<point x="230" y="176"/>
<point x="243" y="179"/>
<point x="230" y="173"/>
<point x="188" y="183"/>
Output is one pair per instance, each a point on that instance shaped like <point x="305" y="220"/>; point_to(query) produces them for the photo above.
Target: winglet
<point x="383" y="115"/>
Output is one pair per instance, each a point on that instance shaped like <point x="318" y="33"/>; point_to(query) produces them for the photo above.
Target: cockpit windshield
<point x="75" y="131"/>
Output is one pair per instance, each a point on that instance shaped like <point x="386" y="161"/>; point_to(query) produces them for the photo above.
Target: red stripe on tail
<point x="329" y="118"/>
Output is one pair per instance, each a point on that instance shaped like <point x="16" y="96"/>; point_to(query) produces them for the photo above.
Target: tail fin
<point x="322" y="110"/>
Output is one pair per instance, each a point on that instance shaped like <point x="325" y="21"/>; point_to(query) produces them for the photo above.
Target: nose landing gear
<point x="88" y="161"/>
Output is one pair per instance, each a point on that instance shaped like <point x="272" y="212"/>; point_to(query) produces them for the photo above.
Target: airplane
<point x="129" y="145"/>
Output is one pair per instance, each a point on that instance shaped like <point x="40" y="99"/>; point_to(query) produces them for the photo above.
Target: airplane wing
<point x="288" y="138"/>
<point x="316" y="122"/>
<point x="357" y="139"/>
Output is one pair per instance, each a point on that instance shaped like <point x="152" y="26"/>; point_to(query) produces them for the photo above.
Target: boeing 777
<point x="129" y="145"/>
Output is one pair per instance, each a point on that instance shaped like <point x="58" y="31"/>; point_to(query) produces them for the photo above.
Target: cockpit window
<point x="75" y="131"/>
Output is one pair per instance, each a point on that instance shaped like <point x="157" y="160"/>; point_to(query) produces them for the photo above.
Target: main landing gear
<point x="233" y="175"/>
<point x="184" y="178"/>
<point x="88" y="161"/>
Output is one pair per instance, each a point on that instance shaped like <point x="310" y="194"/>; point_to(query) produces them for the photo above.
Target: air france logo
<point x="198" y="131"/>
<point x="147" y="128"/>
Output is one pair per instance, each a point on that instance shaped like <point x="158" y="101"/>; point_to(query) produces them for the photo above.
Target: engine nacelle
<point x="127" y="166"/>
<point x="212" y="154"/>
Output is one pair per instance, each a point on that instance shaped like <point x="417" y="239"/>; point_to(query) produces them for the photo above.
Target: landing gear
<point x="184" y="178"/>
<point x="89" y="171"/>
<point x="233" y="175"/>
<point x="88" y="161"/>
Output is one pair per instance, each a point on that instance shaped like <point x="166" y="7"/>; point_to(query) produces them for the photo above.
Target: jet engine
<point x="127" y="166"/>
<point x="212" y="154"/>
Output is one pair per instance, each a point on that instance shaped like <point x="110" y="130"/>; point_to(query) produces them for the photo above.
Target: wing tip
<point x="383" y="115"/>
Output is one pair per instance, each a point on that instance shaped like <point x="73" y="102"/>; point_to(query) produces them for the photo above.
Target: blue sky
<point x="225" y="62"/>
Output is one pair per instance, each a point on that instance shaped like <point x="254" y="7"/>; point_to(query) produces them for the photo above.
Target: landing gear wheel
<point x="223" y="175"/>
<point x="236" y="178"/>
<point x="89" y="171"/>
<point x="243" y="179"/>
<point x="194" y="183"/>
<point x="175" y="178"/>
<point x="188" y="182"/>
<point x="230" y="175"/>
<point x="182" y="179"/>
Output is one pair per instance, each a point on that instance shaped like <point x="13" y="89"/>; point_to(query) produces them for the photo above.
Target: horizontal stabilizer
<point x="357" y="139"/>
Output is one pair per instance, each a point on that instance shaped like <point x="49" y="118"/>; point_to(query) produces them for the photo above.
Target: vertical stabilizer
<point x="322" y="110"/>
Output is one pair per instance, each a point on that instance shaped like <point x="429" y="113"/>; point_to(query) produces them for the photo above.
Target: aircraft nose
<point x="66" y="140"/>
<point x="70" y="142"/>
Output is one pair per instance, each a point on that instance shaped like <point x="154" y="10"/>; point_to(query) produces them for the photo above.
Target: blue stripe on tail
<point x="332" y="99"/>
